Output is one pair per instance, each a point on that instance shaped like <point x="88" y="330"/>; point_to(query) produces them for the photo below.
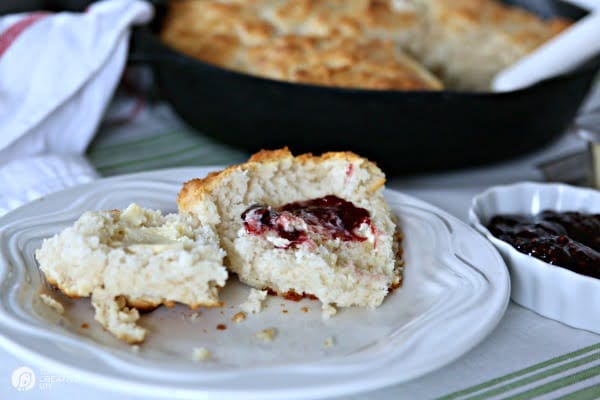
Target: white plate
<point x="455" y="292"/>
<point x="551" y="291"/>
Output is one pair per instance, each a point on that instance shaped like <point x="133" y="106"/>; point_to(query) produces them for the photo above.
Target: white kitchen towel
<point x="57" y="74"/>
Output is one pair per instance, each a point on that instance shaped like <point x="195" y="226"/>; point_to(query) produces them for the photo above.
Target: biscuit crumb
<point x="329" y="342"/>
<point x="52" y="303"/>
<point x="120" y="320"/>
<point x="135" y="348"/>
<point x="194" y="316"/>
<point x="253" y="304"/>
<point x="239" y="317"/>
<point x="305" y="309"/>
<point x="328" y="311"/>
<point x="201" y="354"/>
<point x="266" y="335"/>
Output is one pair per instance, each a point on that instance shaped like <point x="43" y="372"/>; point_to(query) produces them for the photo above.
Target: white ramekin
<point x="551" y="291"/>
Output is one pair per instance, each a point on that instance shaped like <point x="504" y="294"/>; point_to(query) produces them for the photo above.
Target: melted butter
<point x="155" y="239"/>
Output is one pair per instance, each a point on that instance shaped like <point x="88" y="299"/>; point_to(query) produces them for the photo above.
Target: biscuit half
<point x="305" y="225"/>
<point x="135" y="258"/>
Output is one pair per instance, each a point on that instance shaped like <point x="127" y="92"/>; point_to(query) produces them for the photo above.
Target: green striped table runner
<point x="542" y="379"/>
<point x="154" y="140"/>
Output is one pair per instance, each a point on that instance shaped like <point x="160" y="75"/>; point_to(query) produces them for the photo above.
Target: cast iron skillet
<point x="403" y="131"/>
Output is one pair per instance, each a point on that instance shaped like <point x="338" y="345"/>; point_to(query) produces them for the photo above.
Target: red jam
<point x="330" y="216"/>
<point x="567" y="239"/>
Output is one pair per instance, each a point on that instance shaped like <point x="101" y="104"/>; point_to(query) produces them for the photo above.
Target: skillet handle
<point x="139" y="47"/>
<point x="146" y="48"/>
<point x="144" y="45"/>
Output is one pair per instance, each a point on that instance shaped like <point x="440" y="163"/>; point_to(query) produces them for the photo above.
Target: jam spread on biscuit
<point x="328" y="216"/>
<point x="567" y="239"/>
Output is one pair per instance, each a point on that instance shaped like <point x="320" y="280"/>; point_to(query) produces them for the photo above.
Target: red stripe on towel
<point x="8" y="36"/>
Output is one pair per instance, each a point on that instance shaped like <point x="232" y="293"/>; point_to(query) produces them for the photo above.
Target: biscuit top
<point x="308" y="41"/>
<point x="371" y="44"/>
<point x="341" y="62"/>
<point x="195" y="190"/>
<point x="522" y="29"/>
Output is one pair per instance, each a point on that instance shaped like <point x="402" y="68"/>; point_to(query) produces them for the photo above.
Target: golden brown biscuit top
<point x="196" y="189"/>
<point x="308" y="41"/>
<point x="340" y="62"/>
<point x="349" y="43"/>
<point x="522" y="28"/>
